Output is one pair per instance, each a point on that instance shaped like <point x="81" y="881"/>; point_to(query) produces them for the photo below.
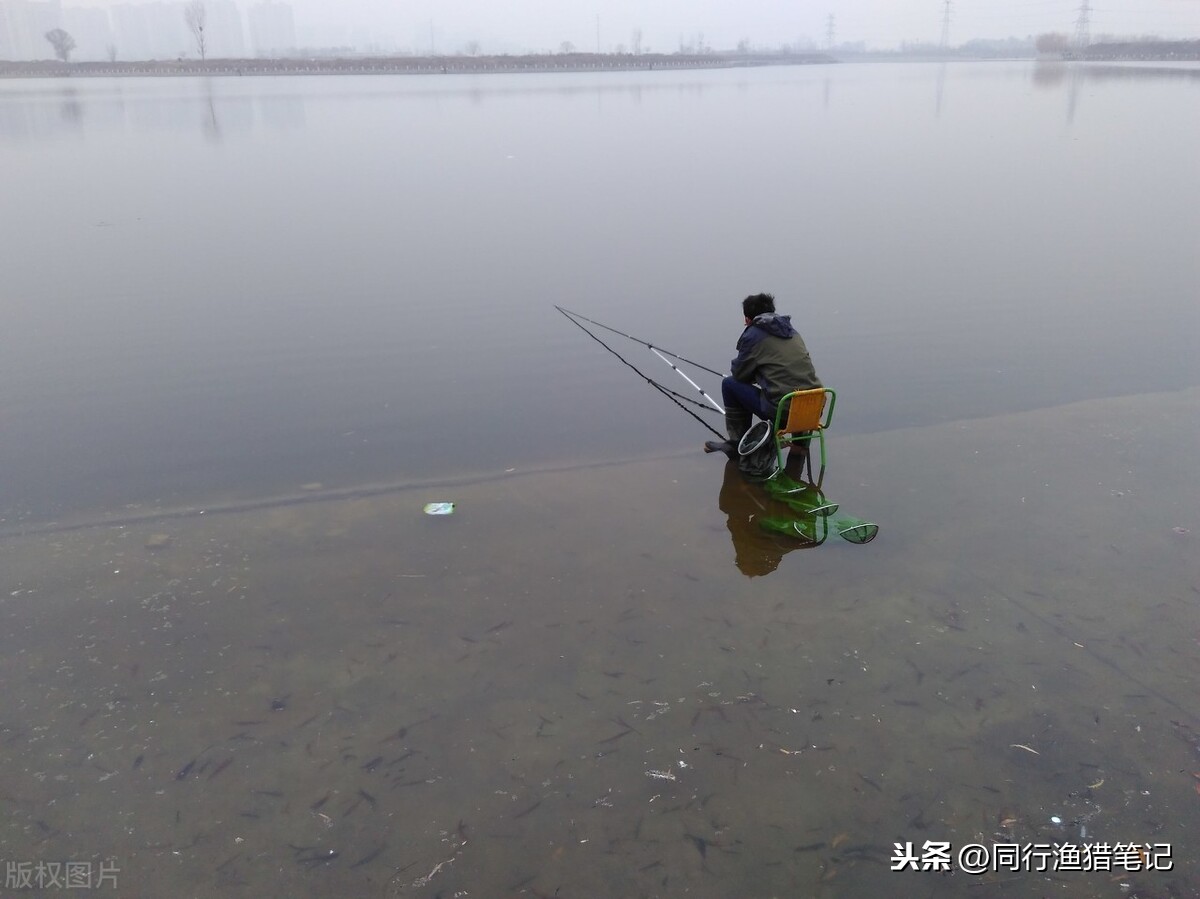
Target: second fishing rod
<point x="662" y="354"/>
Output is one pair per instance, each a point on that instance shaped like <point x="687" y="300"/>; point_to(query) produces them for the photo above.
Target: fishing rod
<point x="660" y="353"/>
<point x="714" y="403"/>
<point x="672" y="395"/>
<point x="662" y="388"/>
<point x="569" y="313"/>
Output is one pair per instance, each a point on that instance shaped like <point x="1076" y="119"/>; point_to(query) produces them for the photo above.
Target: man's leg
<point x="742" y="402"/>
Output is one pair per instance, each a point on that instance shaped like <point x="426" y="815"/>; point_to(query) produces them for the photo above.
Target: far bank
<point x="407" y="65"/>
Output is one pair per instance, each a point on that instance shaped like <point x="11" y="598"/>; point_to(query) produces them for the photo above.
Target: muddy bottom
<point x="610" y="682"/>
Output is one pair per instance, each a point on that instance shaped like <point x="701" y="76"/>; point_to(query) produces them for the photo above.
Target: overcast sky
<point x="511" y="25"/>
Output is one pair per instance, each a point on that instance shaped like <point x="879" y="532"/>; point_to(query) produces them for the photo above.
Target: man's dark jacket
<point x="772" y="355"/>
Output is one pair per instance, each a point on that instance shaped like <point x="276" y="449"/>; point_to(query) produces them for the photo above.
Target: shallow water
<point x="348" y="697"/>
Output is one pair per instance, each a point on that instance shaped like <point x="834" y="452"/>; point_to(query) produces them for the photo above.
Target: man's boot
<point x="737" y="423"/>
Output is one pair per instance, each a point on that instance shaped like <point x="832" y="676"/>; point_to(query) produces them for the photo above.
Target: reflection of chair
<point x="813" y="516"/>
<point x="811" y="529"/>
<point x="801" y="416"/>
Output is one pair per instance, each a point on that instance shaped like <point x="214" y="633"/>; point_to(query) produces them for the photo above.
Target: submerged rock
<point x="158" y="541"/>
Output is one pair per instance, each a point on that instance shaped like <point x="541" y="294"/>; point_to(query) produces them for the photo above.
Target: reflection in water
<point x="1075" y="78"/>
<point x="72" y="110"/>
<point x="104" y="107"/>
<point x="1053" y="73"/>
<point x="745" y="504"/>
<point x="1049" y="74"/>
<point x="60" y="113"/>
<point x="283" y="420"/>
<point x="941" y="85"/>
<point x="210" y="125"/>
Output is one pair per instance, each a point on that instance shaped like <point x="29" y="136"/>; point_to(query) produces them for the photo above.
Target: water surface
<point x="236" y="286"/>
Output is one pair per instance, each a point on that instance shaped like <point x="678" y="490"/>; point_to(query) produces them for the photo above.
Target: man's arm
<point x="745" y="363"/>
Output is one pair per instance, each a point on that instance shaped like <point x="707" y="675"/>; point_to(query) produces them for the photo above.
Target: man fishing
<point x="771" y="361"/>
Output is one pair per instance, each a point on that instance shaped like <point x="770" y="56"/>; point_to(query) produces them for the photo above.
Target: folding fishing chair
<point x="801" y="416"/>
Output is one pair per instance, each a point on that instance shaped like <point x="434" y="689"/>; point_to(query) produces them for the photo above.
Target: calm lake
<point x="253" y="326"/>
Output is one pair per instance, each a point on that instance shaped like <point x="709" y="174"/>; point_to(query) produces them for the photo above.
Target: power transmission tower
<point x="1083" y="25"/>
<point x="829" y="32"/>
<point x="946" y="26"/>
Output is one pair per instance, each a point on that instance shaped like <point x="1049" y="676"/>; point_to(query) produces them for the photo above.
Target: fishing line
<point x="661" y="354"/>
<point x="672" y="395"/>
<point x="569" y="313"/>
<point x="683" y="375"/>
<point x="687" y="399"/>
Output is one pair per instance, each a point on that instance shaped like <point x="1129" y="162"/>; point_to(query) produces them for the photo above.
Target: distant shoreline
<point x="1147" y="51"/>
<point x="407" y="65"/>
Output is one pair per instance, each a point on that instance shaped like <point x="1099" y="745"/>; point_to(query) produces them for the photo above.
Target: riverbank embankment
<point x="406" y="65"/>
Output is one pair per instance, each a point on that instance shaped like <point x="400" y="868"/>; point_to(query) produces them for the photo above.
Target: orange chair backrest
<point x="804" y="411"/>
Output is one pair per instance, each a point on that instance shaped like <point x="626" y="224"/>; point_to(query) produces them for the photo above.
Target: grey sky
<point x="546" y="24"/>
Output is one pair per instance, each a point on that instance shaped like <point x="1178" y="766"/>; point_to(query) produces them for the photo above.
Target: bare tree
<point x="110" y="50"/>
<point x="196" y="16"/>
<point x="473" y="48"/>
<point x="635" y="42"/>
<point x="566" y="47"/>
<point x="62" y="43"/>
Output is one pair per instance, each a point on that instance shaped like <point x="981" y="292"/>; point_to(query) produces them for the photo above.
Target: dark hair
<point x="755" y="305"/>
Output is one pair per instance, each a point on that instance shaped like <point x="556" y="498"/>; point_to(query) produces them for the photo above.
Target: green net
<point x="814" y="515"/>
<point x="855" y="529"/>
<point x="799" y="496"/>
<point x="815" y="528"/>
<point x="810" y="530"/>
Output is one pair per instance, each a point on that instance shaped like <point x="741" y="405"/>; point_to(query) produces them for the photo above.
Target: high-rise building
<point x="91" y="30"/>
<point x="137" y="31"/>
<point x="226" y="33"/>
<point x="8" y="40"/>
<point x="272" y="29"/>
<point x="23" y="27"/>
<point x="131" y="32"/>
<point x="169" y="37"/>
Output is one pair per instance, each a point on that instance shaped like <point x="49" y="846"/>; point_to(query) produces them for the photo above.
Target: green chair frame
<point x="801" y="416"/>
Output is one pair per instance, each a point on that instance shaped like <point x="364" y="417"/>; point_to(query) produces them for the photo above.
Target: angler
<point x="771" y="361"/>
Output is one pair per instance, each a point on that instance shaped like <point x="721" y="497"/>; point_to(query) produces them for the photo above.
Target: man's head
<point x="755" y="305"/>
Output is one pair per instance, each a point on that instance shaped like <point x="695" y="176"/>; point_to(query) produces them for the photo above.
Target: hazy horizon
<point x="448" y="26"/>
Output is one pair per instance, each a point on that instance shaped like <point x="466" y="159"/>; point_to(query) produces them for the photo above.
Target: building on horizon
<point x="92" y="30"/>
<point x="272" y="29"/>
<point x="226" y="30"/>
<point x="127" y="31"/>
<point x="144" y="31"/>
<point x="23" y="27"/>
